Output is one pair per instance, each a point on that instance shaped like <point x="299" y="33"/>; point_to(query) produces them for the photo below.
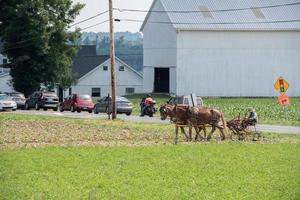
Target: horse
<point x="202" y="116"/>
<point x="178" y="115"/>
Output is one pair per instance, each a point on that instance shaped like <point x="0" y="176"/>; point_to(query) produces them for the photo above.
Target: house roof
<point x="242" y="16"/>
<point x="86" y="60"/>
<point x="118" y="60"/>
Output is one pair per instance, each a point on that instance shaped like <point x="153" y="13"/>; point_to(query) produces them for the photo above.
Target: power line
<point x="94" y="25"/>
<point x="16" y="44"/>
<point x="102" y="13"/>
<point x="211" y="23"/>
<point x="200" y="11"/>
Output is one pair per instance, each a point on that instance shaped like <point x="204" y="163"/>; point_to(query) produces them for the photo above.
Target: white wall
<point x="4" y="83"/>
<point x="218" y="63"/>
<point x="159" y="45"/>
<point x="98" y="78"/>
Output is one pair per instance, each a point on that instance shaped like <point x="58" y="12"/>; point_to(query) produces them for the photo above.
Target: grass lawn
<point x="227" y="171"/>
<point x="62" y="158"/>
<point x="269" y="112"/>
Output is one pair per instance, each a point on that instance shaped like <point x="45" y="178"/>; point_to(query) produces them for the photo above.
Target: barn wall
<point x="218" y="63"/>
<point x="159" y="45"/>
<point x="101" y="79"/>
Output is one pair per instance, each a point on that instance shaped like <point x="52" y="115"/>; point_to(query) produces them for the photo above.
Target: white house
<point x="5" y="78"/>
<point x="221" y="48"/>
<point x="94" y="75"/>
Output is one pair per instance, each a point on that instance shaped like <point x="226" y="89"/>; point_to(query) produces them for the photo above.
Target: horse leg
<point x="197" y="133"/>
<point x="183" y="131"/>
<point x="222" y="133"/>
<point x="190" y="134"/>
<point x="221" y="129"/>
<point x="198" y="130"/>
<point x="204" y="130"/>
<point x="196" y="136"/>
<point x="211" y="132"/>
<point x="176" y="135"/>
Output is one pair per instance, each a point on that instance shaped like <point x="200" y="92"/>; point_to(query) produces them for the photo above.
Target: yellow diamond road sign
<point x="281" y="85"/>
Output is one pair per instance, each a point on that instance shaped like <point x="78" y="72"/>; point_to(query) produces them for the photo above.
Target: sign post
<point x="281" y="85"/>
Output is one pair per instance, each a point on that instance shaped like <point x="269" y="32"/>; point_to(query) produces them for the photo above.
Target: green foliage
<point x="36" y="37"/>
<point x="269" y="112"/>
<point x="228" y="171"/>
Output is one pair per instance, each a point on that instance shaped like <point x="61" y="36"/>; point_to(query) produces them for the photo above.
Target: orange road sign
<point x="283" y="100"/>
<point x="281" y="85"/>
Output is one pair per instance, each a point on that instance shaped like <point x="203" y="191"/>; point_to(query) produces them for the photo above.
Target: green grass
<point x="227" y="171"/>
<point x="63" y="158"/>
<point x="269" y="112"/>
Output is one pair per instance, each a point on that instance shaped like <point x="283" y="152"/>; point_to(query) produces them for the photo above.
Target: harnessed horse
<point x="179" y="116"/>
<point x="196" y="117"/>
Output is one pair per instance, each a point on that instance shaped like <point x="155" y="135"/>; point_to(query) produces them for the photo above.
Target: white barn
<point x="221" y="48"/>
<point x="94" y="75"/>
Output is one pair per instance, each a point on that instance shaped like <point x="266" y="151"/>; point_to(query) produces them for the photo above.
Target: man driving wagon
<point x="240" y="127"/>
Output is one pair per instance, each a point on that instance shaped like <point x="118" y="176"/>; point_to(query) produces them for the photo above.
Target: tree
<point x="37" y="42"/>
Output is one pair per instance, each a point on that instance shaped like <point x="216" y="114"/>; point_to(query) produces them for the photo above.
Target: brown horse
<point x="167" y="110"/>
<point x="178" y="114"/>
<point x="203" y="116"/>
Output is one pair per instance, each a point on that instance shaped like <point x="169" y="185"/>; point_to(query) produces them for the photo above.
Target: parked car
<point x="185" y="99"/>
<point x="6" y="103"/>
<point x="18" y="97"/>
<point x="77" y="102"/>
<point x="42" y="100"/>
<point x="104" y="105"/>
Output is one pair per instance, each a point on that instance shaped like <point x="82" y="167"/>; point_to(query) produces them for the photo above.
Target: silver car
<point x="104" y="105"/>
<point x="6" y="103"/>
<point x="19" y="98"/>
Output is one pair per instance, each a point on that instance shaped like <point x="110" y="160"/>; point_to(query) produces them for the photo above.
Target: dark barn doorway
<point x="162" y="80"/>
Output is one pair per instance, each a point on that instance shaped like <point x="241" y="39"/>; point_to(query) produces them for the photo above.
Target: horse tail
<point x="224" y="123"/>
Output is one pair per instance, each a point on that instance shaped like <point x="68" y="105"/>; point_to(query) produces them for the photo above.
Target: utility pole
<point x="112" y="59"/>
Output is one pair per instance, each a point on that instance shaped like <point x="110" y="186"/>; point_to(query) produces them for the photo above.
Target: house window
<point x="105" y="68"/>
<point x="96" y="92"/>
<point x="70" y="91"/>
<point x="129" y="91"/>
<point x="121" y="68"/>
<point x="4" y="61"/>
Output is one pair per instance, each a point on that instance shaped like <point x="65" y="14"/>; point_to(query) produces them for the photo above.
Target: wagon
<point x="240" y="127"/>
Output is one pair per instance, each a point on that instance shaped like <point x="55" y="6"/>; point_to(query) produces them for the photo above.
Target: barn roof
<point x="86" y="60"/>
<point x="230" y="14"/>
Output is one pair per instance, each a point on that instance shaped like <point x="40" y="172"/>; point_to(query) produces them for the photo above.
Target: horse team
<point x="194" y="117"/>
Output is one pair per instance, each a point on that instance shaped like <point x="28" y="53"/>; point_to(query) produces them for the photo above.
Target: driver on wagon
<point x="252" y="116"/>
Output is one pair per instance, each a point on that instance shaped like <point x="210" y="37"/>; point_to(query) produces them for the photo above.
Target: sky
<point x="94" y="7"/>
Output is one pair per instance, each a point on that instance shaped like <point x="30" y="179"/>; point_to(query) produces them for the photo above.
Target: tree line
<point x="36" y="40"/>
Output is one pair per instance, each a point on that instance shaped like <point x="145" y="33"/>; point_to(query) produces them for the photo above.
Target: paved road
<point x="132" y="118"/>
